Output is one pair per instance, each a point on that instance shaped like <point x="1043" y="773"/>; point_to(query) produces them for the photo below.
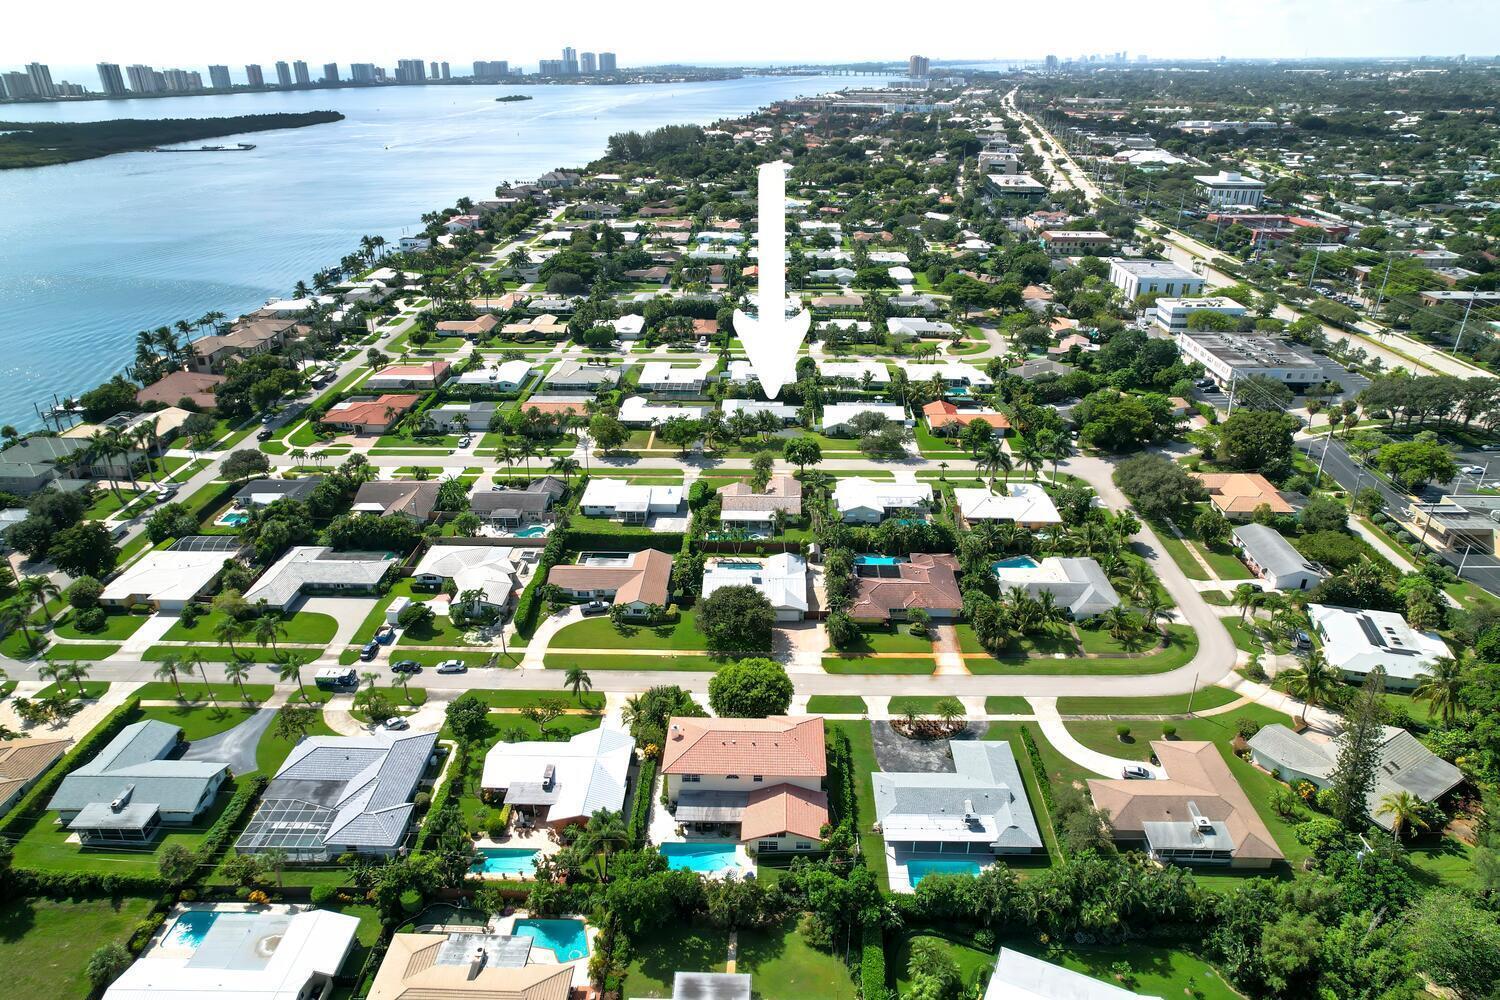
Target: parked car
<point x="1136" y="771"/>
<point x="595" y="607"/>
<point x="406" y="667"/>
<point x="395" y="724"/>
<point x="452" y="667"/>
<point x="386" y="635"/>
<point x="369" y="650"/>
<point x="1472" y="470"/>
<point x="465" y="441"/>
<point x="264" y="434"/>
<point x="167" y="492"/>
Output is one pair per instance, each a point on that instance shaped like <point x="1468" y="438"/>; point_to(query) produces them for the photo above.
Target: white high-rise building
<point x="606" y="62"/>
<point x="41" y="79"/>
<point x="283" y="73"/>
<point x="588" y="63"/>
<point x="142" y="78"/>
<point x="110" y="79"/>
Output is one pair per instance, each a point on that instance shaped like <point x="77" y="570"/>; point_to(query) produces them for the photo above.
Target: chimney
<point x="476" y="964"/>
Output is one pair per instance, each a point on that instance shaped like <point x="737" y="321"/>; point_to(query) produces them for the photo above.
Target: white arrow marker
<point x="773" y="339"/>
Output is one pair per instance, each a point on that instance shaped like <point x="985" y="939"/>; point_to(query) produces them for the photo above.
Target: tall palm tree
<point x="505" y="453"/>
<point x="1245" y="597"/>
<point x="1442" y="689"/>
<point x="195" y="660"/>
<point x="77" y="673"/>
<point x="289" y="668"/>
<point x="1314" y="682"/>
<point x="267" y="629"/>
<point x="1408" y="813"/>
<point x="38" y="592"/>
<point x="16" y="614"/>
<point x="565" y="466"/>
<point x="605" y="831"/>
<point x="237" y="671"/>
<point x="168" y="671"/>
<point x="227" y="630"/>
<point x="1151" y="608"/>
<point x="101" y="449"/>
<point x="578" y="680"/>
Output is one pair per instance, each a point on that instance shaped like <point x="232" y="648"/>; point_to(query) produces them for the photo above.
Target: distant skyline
<point x="181" y="33"/>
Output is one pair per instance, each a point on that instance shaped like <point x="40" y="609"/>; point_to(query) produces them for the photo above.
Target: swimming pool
<point x="504" y="861"/>
<point x="1016" y="562"/>
<point x="530" y="531"/>
<point x="705" y="857"/>
<point x="235" y="519"/>
<point x="743" y="567"/>
<point x="191" y="928"/>
<point x="564" y="938"/>
<point x="878" y="560"/>
<point x="918" y="870"/>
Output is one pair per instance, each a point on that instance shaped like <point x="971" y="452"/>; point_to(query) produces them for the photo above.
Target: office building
<point x="606" y="62"/>
<point x="330" y="72"/>
<point x="588" y="63"/>
<point x="1172" y="314"/>
<point x="283" y="73"/>
<point x="411" y="71"/>
<point x="1142" y="277"/>
<point x="569" y="61"/>
<point x="1230" y="187"/>
<point x="41" y="79"/>
<point x="253" y="76"/>
<point x="1232" y="357"/>
<point x="491" y="70"/>
<point x="218" y="76"/>
<point x="362" y="72"/>
<point x="110" y="79"/>
<point x="299" y="70"/>
<point x="917" y="67"/>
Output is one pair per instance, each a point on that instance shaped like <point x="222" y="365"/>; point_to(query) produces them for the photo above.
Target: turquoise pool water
<point x="878" y="560"/>
<point x="918" y="870"/>
<point x="565" y="938"/>
<point x="504" y="861"/>
<point x="530" y="531"/>
<point x="743" y="567"/>
<point x="1016" y="562"/>
<point x="191" y="928"/>
<point x="235" y="518"/>
<point x="706" y="857"/>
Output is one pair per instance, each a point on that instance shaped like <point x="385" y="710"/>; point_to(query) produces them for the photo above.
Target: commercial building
<point x="764" y="776"/>
<point x="1274" y="560"/>
<point x="1358" y="640"/>
<point x="1079" y="585"/>
<point x="917" y="67"/>
<point x="1144" y="277"/>
<point x="1014" y="186"/>
<point x="1230" y="357"/>
<point x="341" y="795"/>
<point x="1195" y="814"/>
<point x="1405" y="765"/>
<point x="1230" y="187"/>
<point x="1066" y="242"/>
<point x="607" y="62"/>
<point x="1172" y="313"/>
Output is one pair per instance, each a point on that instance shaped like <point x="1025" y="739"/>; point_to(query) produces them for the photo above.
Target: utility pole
<point x="1461" y="326"/>
<point x="1326" y="442"/>
<point x="1192" y="694"/>
<point x="1381" y="297"/>
<point x="1317" y="255"/>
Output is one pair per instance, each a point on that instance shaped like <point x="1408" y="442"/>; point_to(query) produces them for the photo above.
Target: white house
<point x="664" y="376"/>
<point x="559" y="783"/>
<point x="1080" y="585"/>
<point x="1143" y="277"/>
<point x="785" y="412"/>
<point x="855" y="371"/>
<point x="782" y="578"/>
<point x="168" y="579"/>
<point x="910" y="326"/>
<point x="953" y="373"/>
<point x="638" y="411"/>
<point x="1027" y="504"/>
<point x="617" y="498"/>
<point x="837" y="417"/>
<point x="1019" y="976"/>
<point x="839" y="275"/>
<point x="628" y="327"/>
<point x="1274" y="560"/>
<point x="1357" y="640"/>
<point x="488" y="568"/>
<point x="867" y="501"/>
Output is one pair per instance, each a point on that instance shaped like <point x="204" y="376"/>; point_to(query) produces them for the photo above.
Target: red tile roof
<point x="926" y="581"/>
<point x="782" y="746"/>
<point x="780" y="809"/>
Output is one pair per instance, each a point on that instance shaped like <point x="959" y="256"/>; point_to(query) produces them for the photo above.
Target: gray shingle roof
<point x="928" y="806"/>
<point x="133" y="761"/>
<point x="1271" y="551"/>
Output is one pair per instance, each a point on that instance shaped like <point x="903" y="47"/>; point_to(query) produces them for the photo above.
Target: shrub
<point x="1168" y="730"/>
<point x="411" y="900"/>
<point x="84" y="593"/>
<point x="323" y="894"/>
<point x="1123" y="732"/>
<point x="872" y="964"/>
<point x="91" y="620"/>
<point x="1246" y="727"/>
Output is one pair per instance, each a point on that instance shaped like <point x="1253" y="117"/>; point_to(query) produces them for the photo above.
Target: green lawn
<point x="837" y="704"/>
<point x="117" y="627"/>
<point x="922" y="704"/>
<point x="1443" y="860"/>
<point x="1181" y="646"/>
<point x="627" y="661"/>
<point x="511" y="727"/>
<point x="1174" y="704"/>
<point x="272" y="749"/>
<point x="304" y="626"/>
<point x="62" y="652"/>
<point x="521" y="699"/>
<point x="1178" y="550"/>
<point x="1155" y="971"/>
<point x="1243" y="638"/>
<point x="784" y="967"/>
<point x="879" y="665"/>
<point x="197" y="691"/>
<point x="601" y="633"/>
<point x="670" y="948"/>
<point x="1007" y="704"/>
<point x="862" y="751"/>
<point x="897" y="640"/>
<point x="91" y="690"/>
<point x="45" y="946"/>
<point x="974" y="965"/>
<point x="376" y="617"/>
<point x="197" y="722"/>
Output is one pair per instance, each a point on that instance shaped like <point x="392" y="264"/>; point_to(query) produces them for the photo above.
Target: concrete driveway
<point x="349" y="612"/>
<point x="235" y="747"/>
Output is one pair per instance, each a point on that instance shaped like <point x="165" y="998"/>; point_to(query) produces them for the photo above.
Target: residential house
<point x="1040" y="368"/>
<point x="953" y="374"/>
<point x="945" y="418"/>
<point x="135" y="786"/>
<point x="628" y="327"/>
<point x="33" y="463"/>
<point x="906" y="326"/>
<point x="488" y="569"/>
<point x="505" y="377"/>
<point x="306" y="569"/>
<point x="889" y="589"/>
<point x="781" y="578"/>
<point x="1079" y="585"/>
<point x="573" y="374"/>
<point x="369" y="414"/>
<point x="1025" y="504"/>
<point x="22" y="762"/>
<point x="1405" y="765"/>
<point x="415" y="500"/>
<point x="619" y="499"/>
<point x="339" y="795"/>
<point x="869" y="501"/>
<point x="245" y="339"/>
<point x="468" y="966"/>
<point x="556" y="784"/>
<point x="1019" y="976"/>
<point x="741" y="506"/>
<point x="469" y="329"/>
<point x="196" y="388"/>
<point x="1238" y="495"/>
<point x="856" y="371"/>
<point x="170" y="579"/>
<point x="978" y="808"/>
<point x="665" y="376"/>
<point x="834" y="303"/>
<point x="639" y="581"/>
<point x="543" y="327"/>
<point x="1274" y="559"/>
<point x="508" y="509"/>
<point x="838" y="418"/>
<point x="1069" y="242"/>
<point x="764" y="776"/>
<point x="425" y="375"/>
<point x="1196" y="814"/>
<point x="459" y="418"/>
<point x="638" y="411"/>
<point x="1358" y="640"/>
<point x="784" y="412"/>
<point x="264" y="492"/>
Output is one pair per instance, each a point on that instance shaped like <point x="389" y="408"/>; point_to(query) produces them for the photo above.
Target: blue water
<point x="531" y="531"/>
<point x="191" y="928"/>
<point x="700" y="856"/>
<point x="566" y="938"/>
<point x="879" y="560"/>
<point x="504" y="861"/>
<point x="1016" y="562"/>
<point x="235" y="518"/>
<point x="745" y="567"/>
<point x="92" y="252"/>
<point x="917" y="870"/>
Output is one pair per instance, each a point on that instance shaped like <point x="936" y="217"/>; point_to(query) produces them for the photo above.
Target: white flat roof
<point x="169" y="575"/>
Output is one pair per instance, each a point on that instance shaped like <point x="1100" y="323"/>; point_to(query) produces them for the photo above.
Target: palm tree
<point x="227" y="630"/>
<point x="168" y="670"/>
<point x="950" y="710"/>
<point x="1118" y="621"/>
<point x="195" y="659"/>
<point x="370" y="677"/>
<point x="528" y="451"/>
<point x="565" y="466"/>
<point x="1442" y="689"/>
<point x="1245" y="597"/>
<point x="290" y="669"/>
<point x="267" y="629"/>
<point x="579" y="680"/>
<point x="1314" y="682"/>
<point x="77" y="673"/>
<point x="605" y="830"/>
<point x="1151" y="608"/>
<point x="1407" y="812"/>
<point x="237" y="671"/>
<point x="39" y="591"/>
<point x="505" y="453"/>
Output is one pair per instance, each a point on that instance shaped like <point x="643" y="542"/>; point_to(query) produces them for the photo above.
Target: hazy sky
<point x="190" y="33"/>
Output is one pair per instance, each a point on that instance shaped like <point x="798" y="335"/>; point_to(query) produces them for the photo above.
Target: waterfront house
<point x="561" y="783"/>
<point x="763" y="778"/>
<point x="245" y="339"/>
<point x="35" y="463"/>
<point x="176" y="388"/>
<point x="638" y="581"/>
<point x="135" y="786"/>
<point x="889" y="589"/>
<point x="1195" y="814"/>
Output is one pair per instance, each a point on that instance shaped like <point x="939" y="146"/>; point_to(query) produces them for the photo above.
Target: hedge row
<point x="616" y="541"/>
<point x="245" y="797"/>
<point x="872" y="964"/>
<point x="1043" y="779"/>
<point x="640" y="807"/>
<point x="26" y="882"/>
<point x="529" y="604"/>
<point x="841" y="795"/>
<point x="35" y="801"/>
<point x="456" y="769"/>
